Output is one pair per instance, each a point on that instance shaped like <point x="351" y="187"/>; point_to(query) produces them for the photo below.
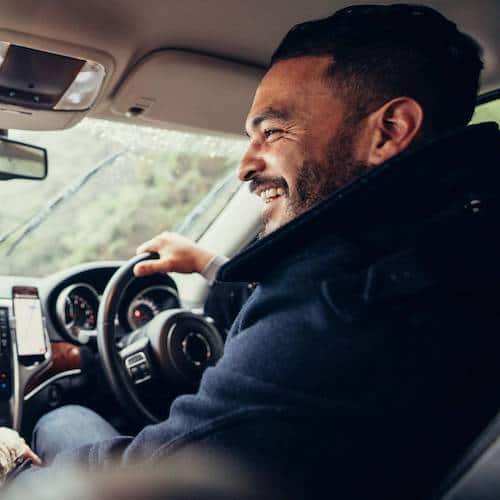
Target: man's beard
<point x="317" y="180"/>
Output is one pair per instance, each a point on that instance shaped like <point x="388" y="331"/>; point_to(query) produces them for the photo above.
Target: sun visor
<point x="180" y="89"/>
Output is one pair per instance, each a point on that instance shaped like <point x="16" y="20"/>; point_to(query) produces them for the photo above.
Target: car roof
<point x="127" y="31"/>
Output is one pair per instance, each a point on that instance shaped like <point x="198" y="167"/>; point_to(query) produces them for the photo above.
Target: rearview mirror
<point x="22" y="161"/>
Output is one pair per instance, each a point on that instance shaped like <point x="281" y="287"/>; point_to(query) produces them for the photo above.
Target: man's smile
<point x="271" y="194"/>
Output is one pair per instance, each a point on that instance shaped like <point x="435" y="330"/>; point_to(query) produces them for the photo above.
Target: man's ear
<point x="392" y="128"/>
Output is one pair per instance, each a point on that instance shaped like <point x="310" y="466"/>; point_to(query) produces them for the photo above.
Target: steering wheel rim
<point x="120" y="384"/>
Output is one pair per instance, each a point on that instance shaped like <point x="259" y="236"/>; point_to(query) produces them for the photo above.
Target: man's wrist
<point x="209" y="272"/>
<point x="202" y="260"/>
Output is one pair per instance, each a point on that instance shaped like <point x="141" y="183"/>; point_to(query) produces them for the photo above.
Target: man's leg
<point x="68" y="428"/>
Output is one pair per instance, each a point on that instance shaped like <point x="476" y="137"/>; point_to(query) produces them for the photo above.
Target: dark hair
<point x="384" y="51"/>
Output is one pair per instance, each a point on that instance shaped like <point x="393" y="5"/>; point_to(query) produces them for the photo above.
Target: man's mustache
<point x="269" y="182"/>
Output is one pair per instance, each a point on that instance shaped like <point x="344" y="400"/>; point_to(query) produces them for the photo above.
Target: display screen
<point x="29" y="324"/>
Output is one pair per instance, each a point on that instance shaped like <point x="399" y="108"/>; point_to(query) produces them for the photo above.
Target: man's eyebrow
<point x="268" y="114"/>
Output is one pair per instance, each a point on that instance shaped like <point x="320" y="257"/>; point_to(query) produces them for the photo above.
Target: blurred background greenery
<point x="488" y="112"/>
<point x="158" y="178"/>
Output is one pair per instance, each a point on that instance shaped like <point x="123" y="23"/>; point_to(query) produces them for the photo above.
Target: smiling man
<point x="365" y="361"/>
<point x="301" y="140"/>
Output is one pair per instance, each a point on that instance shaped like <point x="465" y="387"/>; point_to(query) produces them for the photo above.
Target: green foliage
<point x="126" y="203"/>
<point x="488" y="112"/>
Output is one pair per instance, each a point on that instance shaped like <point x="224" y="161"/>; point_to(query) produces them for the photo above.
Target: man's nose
<point x="251" y="164"/>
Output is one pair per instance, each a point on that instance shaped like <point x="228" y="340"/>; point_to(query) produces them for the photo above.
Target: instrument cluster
<point x="77" y="307"/>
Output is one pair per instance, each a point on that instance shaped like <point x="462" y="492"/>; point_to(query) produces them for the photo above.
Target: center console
<point x="24" y="350"/>
<point x="6" y="374"/>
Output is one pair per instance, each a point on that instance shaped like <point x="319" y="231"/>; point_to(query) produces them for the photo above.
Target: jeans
<point x="67" y="428"/>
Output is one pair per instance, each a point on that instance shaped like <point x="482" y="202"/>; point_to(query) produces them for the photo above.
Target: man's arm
<point x="265" y="402"/>
<point x="177" y="254"/>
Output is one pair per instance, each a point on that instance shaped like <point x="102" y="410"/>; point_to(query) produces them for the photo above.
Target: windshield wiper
<point x="33" y="222"/>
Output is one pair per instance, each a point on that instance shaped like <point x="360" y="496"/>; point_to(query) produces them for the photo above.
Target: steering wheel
<point x="171" y="351"/>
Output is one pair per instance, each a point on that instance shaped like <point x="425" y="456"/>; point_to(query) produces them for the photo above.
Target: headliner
<point x="241" y="31"/>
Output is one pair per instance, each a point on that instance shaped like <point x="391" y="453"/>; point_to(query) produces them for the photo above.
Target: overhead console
<point x="174" y="88"/>
<point x="47" y="86"/>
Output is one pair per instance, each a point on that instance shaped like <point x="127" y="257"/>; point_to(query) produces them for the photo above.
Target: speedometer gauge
<point x="77" y="307"/>
<point x="150" y="302"/>
<point x="141" y="311"/>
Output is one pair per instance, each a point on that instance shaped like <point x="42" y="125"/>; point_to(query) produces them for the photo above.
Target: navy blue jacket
<point x="366" y="360"/>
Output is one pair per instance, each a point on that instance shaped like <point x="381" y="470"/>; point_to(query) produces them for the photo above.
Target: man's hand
<point x="177" y="254"/>
<point x="12" y="447"/>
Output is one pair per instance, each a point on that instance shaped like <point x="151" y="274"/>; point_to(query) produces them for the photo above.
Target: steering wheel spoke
<point x="137" y="361"/>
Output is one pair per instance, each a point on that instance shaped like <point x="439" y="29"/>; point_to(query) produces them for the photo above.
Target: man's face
<point x="301" y="140"/>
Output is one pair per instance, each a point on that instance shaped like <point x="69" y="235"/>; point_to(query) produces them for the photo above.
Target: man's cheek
<point x="287" y="155"/>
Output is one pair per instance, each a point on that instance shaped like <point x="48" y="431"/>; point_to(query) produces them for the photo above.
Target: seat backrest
<point x="477" y="475"/>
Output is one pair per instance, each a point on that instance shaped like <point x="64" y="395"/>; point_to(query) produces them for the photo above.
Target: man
<point x="366" y="359"/>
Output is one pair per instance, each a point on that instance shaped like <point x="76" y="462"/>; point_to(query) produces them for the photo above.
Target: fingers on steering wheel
<point x="152" y="266"/>
<point x="29" y="453"/>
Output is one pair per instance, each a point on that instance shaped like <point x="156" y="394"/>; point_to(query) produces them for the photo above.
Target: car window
<point x="111" y="186"/>
<point x="487" y="112"/>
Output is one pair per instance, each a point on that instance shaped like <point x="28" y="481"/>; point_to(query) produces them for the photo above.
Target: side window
<point x="487" y="112"/>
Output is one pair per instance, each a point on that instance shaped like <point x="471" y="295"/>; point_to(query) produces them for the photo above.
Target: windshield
<point x="110" y="187"/>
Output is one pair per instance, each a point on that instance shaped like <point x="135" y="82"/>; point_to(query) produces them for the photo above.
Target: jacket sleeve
<point x="263" y="376"/>
<point x="273" y="368"/>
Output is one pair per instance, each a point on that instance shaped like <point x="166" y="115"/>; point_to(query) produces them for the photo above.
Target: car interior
<point x="136" y="71"/>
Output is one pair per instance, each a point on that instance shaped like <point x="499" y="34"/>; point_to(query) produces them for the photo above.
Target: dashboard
<point x="73" y="303"/>
<point x="69" y="303"/>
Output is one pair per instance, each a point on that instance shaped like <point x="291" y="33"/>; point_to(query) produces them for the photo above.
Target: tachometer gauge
<point x="141" y="311"/>
<point x="80" y="312"/>
<point x="77" y="307"/>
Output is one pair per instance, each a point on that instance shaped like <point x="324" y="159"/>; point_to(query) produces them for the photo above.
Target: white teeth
<point x="270" y="193"/>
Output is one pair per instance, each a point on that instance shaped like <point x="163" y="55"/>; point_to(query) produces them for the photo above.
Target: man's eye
<point x="269" y="132"/>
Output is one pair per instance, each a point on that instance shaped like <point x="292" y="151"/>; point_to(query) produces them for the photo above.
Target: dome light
<point x="82" y="93"/>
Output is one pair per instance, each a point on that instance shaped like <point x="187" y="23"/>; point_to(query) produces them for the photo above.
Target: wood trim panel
<point x="65" y="356"/>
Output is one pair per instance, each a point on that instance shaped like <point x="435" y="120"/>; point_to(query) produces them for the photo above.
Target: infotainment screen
<point x="29" y="324"/>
